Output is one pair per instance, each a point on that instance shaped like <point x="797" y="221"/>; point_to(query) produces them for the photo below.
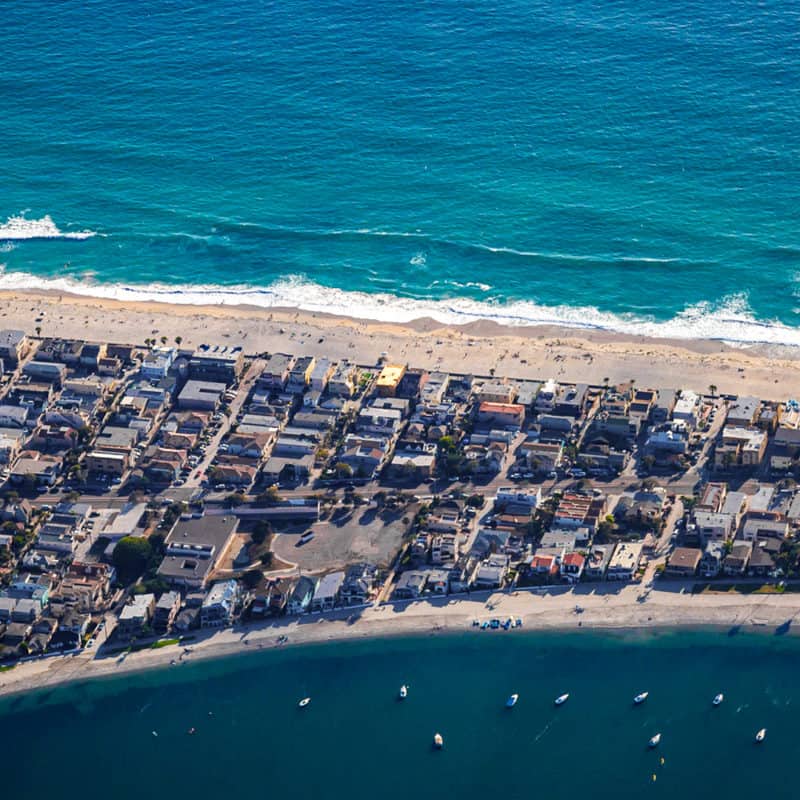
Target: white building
<point x="510" y="495"/>
<point x="156" y="363"/>
<point x="687" y="408"/>
<point x="546" y="399"/>
<point x="625" y="561"/>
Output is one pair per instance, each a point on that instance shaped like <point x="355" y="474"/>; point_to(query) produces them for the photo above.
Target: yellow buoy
<point x="654" y="776"/>
<point x="662" y="761"/>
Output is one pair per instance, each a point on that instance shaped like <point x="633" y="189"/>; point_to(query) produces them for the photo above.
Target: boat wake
<point x="20" y="227"/>
<point x="729" y="320"/>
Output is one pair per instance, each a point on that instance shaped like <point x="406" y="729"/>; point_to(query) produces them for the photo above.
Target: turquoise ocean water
<point x="357" y="739"/>
<point x="627" y="165"/>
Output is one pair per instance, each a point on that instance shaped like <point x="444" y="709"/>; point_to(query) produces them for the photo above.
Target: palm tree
<point x="163" y="340"/>
<point x="38" y="330"/>
<point x="178" y="340"/>
<point x="713" y="389"/>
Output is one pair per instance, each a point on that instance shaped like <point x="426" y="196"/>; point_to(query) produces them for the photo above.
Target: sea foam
<point x="20" y="227"/>
<point x="729" y="320"/>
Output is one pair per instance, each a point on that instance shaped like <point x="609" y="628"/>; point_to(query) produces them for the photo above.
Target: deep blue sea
<point x="356" y="739"/>
<point x="625" y="164"/>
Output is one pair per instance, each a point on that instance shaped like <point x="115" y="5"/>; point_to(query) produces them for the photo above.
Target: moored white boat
<point x="403" y="692"/>
<point x="512" y="701"/>
<point x="761" y="735"/>
<point x="640" y="698"/>
<point x="718" y="699"/>
<point x="438" y="741"/>
<point x="561" y="699"/>
<point x="304" y="702"/>
<point x="654" y="740"/>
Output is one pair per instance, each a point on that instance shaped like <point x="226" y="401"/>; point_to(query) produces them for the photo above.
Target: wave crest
<point x="20" y="227"/>
<point x="729" y="320"/>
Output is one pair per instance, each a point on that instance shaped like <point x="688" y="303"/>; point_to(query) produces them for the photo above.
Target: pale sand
<point x="536" y="352"/>
<point x="604" y="607"/>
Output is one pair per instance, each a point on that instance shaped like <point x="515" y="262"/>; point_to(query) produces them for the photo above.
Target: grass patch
<point x="7" y="667"/>
<point x="164" y="643"/>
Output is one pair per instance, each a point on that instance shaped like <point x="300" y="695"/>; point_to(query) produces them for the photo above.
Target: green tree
<point x="178" y="340"/>
<point x="713" y="389"/>
<point x="605" y="529"/>
<point x="131" y="556"/>
<point x="252" y="578"/>
<point x="447" y="444"/>
<point x="475" y="501"/>
<point x="343" y="470"/>
<point x="233" y="500"/>
<point x="269" y="497"/>
<point x="260" y="532"/>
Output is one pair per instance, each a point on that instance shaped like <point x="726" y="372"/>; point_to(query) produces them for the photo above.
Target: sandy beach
<point x="540" y="352"/>
<point x="604" y="607"/>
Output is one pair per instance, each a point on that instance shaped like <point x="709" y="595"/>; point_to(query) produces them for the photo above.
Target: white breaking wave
<point x="20" y="227"/>
<point x="729" y="320"/>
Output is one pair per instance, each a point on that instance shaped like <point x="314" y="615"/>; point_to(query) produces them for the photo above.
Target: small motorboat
<point x="403" y="692"/>
<point x="191" y="731"/>
<point x="561" y="699"/>
<point x="718" y="699"/>
<point x="761" y="735"/>
<point x="640" y="698"/>
<point x="438" y="741"/>
<point x="654" y="740"/>
<point x="304" y="702"/>
<point x="155" y="733"/>
<point x="512" y="701"/>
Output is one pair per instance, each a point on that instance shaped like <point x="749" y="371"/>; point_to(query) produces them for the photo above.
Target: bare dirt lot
<point x="361" y="534"/>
